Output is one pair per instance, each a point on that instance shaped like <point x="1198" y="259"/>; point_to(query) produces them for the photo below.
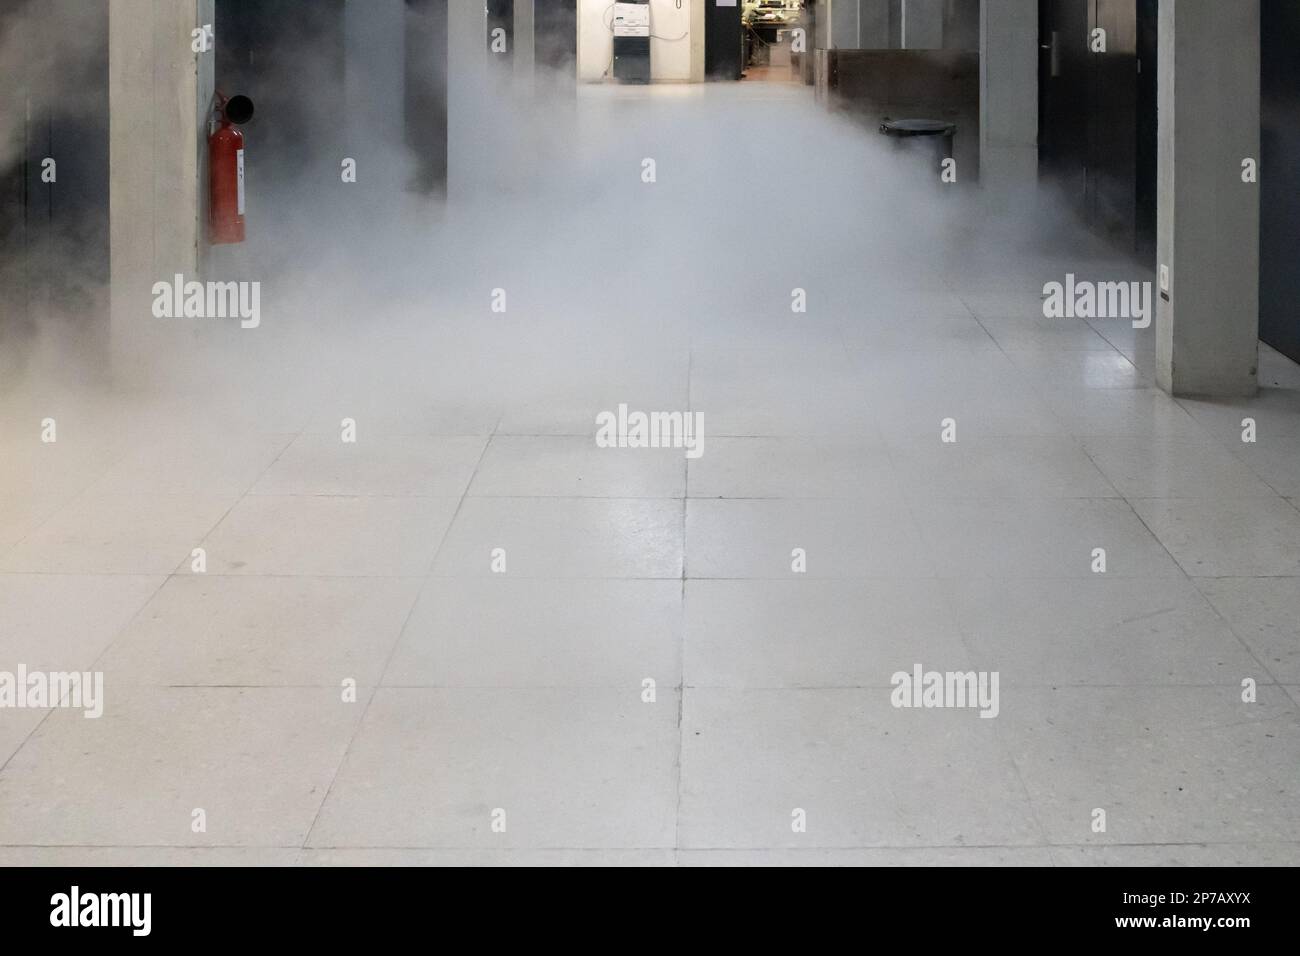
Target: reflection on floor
<point x="435" y="644"/>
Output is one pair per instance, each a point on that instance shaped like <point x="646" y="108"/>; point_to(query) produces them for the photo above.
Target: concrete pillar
<point x="1207" y="330"/>
<point x="822" y="12"/>
<point x="159" y="91"/>
<point x="697" y="41"/>
<point x="374" y="64"/>
<point x="525" y="57"/>
<point x="1008" y="98"/>
<point x="467" y="97"/>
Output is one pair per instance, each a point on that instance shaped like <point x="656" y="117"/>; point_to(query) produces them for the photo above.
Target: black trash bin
<point x="930" y="139"/>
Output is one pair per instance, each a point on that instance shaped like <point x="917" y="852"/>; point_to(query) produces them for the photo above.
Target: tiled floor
<point x="473" y="636"/>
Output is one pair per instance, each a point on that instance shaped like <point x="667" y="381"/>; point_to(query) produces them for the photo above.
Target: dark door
<point x="1113" y="122"/>
<point x="1148" y="120"/>
<point x="1097" y="113"/>
<point x="1063" y="101"/>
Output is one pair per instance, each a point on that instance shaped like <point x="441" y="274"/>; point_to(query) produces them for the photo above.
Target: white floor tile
<point x="811" y="633"/>
<point x="408" y="465"/>
<point x="1227" y="537"/>
<point x="1275" y="459"/>
<point x="838" y="539"/>
<point x="1122" y="413"/>
<point x="827" y="467"/>
<point x="569" y="768"/>
<point x="125" y="856"/>
<point x="244" y="631"/>
<point x="1097" y="631"/>
<point x="504" y="631"/>
<point x="63" y="622"/>
<point x="863" y="772"/>
<point x="1046" y="335"/>
<point x="185" y="464"/>
<point x="973" y="856"/>
<point x="1143" y="468"/>
<point x="307" y="535"/>
<point x="1265" y="614"/>
<point x="1180" y="855"/>
<point x="482" y="857"/>
<point x="1010" y="410"/>
<point x="1042" y="467"/>
<point x="537" y="466"/>
<point x="257" y="761"/>
<point x="1274" y="412"/>
<point x="1079" y="368"/>
<point x="565" y="537"/>
<point x="1140" y="754"/>
<point x="1040" y="538"/>
<point x="119" y="534"/>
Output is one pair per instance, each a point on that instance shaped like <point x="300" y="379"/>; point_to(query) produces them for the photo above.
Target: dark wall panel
<point x="291" y="58"/>
<point x="555" y="45"/>
<point x="426" y="93"/>
<point x="288" y="56"/>
<point x="1279" y="292"/>
<point x="723" y="42"/>
<point x="961" y="25"/>
<point x="500" y="20"/>
<point x="54" y="260"/>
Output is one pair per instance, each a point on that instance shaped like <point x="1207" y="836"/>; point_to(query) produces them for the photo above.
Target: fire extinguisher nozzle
<point x="239" y="109"/>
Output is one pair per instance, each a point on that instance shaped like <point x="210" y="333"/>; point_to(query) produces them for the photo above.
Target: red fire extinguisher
<point x="226" y="169"/>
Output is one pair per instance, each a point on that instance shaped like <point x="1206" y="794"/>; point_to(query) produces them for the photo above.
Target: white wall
<point x="668" y="60"/>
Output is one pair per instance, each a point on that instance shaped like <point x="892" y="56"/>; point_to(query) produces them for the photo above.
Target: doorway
<point x="774" y="40"/>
